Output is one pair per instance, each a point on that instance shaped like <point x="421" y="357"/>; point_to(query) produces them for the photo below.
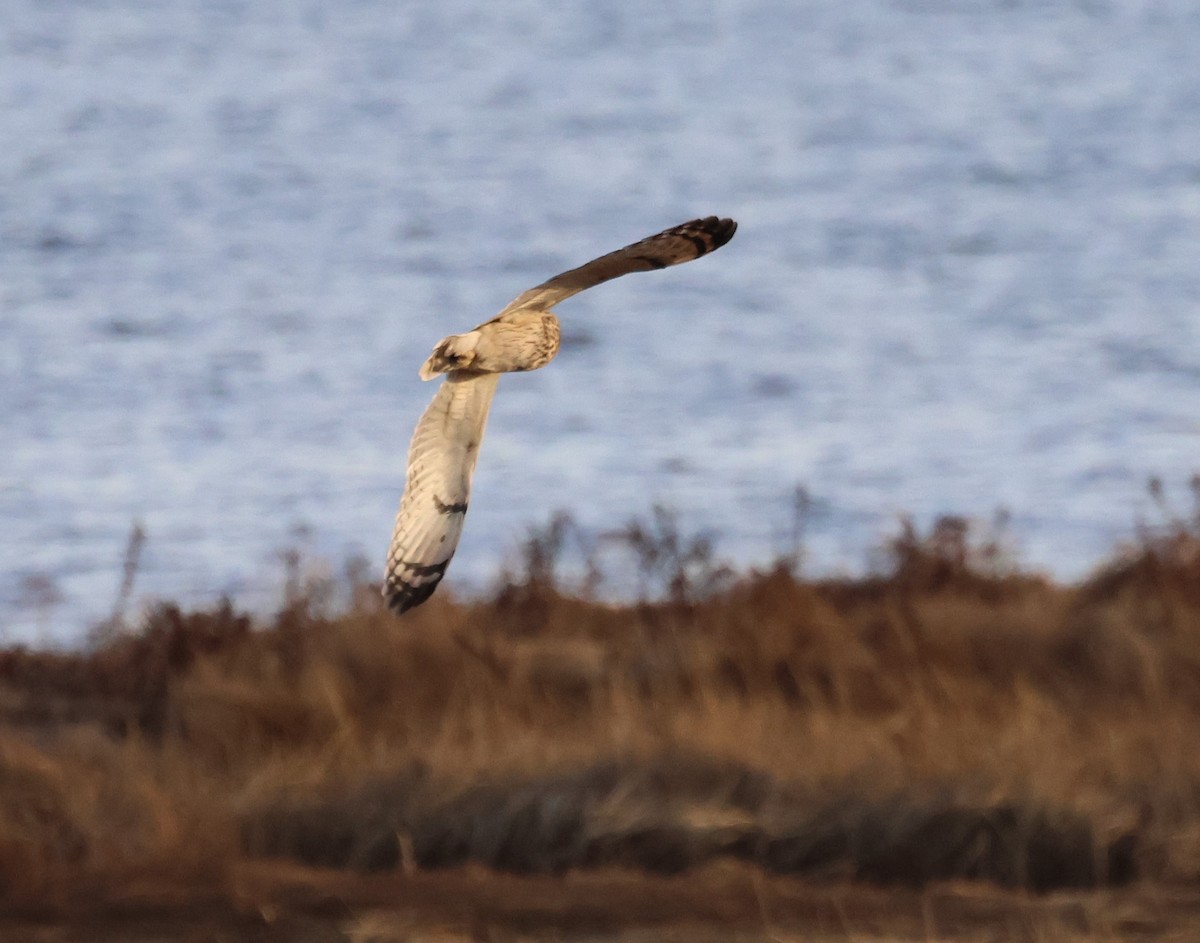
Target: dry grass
<point x="948" y="718"/>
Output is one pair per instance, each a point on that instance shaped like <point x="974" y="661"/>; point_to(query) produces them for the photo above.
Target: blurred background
<point x="965" y="277"/>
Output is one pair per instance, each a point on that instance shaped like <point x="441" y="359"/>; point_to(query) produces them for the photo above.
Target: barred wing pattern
<point x="445" y="446"/>
<point x="680" y="243"/>
<point x="441" y="461"/>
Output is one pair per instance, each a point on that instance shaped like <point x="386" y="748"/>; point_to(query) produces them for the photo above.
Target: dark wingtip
<point x="715" y="230"/>
<point x="722" y="230"/>
<point x="402" y="594"/>
<point x="401" y="597"/>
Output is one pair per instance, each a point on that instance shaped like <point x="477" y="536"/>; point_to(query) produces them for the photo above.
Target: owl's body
<point x="516" y="341"/>
<point x="445" y="445"/>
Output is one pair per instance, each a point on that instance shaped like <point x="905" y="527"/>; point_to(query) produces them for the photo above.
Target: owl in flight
<point x="524" y="336"/>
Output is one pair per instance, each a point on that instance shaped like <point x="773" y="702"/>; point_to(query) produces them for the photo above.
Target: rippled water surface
<point x="966" y="275"/>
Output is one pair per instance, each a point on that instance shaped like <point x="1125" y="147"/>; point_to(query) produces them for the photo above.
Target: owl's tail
<point x="456" y="352"/>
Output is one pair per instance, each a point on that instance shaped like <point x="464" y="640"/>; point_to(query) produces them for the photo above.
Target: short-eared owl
<point x="445" y="446"/>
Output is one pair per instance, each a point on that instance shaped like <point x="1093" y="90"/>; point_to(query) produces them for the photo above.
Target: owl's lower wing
<point x="441" y="461"/>
<point x="672" y="246"/>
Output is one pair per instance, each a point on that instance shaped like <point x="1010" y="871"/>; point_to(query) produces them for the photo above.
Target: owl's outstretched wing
<point x="680" y="243"/>
<point x="441" y="461"/>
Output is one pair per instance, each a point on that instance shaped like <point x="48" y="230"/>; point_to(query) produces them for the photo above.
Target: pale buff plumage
<point x="445" y="446"/>
<point x="516" y="340"/>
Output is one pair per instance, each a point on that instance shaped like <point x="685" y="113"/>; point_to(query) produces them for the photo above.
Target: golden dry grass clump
<point x="946" y="718"/>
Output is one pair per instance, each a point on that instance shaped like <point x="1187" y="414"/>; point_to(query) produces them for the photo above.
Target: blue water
<point x="966" y="275"/>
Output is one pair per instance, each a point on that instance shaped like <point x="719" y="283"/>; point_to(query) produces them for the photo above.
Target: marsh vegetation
<point x="946" y="747"/>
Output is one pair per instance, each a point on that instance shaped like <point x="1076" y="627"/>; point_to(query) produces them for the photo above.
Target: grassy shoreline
<point x="948" y="719"/>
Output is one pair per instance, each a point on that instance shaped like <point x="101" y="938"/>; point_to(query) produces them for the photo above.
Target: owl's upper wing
<point x="680" y="243"/>
<point x="441" y="461"/>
